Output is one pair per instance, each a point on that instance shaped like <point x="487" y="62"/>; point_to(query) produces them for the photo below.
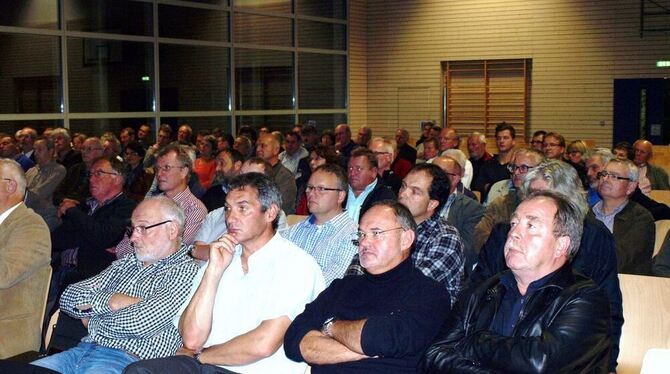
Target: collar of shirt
<point x="598" y="210"/>
<point x="333" y="222"/>
<point x="93" y="204"/>
<point x="363" y="194"/>
<point x="7" y="212"/>
<point x="448" y="204"/>
<point x="182" y="196"/>
<point x="263" y="257"/>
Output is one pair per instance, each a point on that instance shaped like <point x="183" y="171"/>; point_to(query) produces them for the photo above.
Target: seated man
<point x="326" y="233"/>
<point x="128" y="308"/>
<point x="267" y="148"/>
<point x="24" y="258"/>
<point x="244" y="299"/>
<point x="539" y="316"/>
<point x="652" y="177"/>
<point x="365" y="186"/>
<point x="380" y="322"/>
<point x="632" y="225"/>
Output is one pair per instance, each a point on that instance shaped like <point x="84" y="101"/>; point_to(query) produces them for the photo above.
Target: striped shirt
<point x="144" y="329"/>
<point x="330" y="244"/>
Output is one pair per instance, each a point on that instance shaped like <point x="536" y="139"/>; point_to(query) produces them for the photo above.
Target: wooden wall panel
<point x="577" y="49"/>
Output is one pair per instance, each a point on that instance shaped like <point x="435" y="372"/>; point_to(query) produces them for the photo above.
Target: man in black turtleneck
<point x="378" y="322"/>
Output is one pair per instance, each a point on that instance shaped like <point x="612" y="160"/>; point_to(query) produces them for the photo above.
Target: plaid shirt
<point x="438" y="253"/>
<point x="144" y="329"/>
<point x="330" y="244"/>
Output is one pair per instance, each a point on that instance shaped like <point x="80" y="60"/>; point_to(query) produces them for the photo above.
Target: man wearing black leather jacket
<point x="539" y="316"/>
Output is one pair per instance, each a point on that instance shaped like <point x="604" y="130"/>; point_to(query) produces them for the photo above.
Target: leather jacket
<point x="563" y="328"/>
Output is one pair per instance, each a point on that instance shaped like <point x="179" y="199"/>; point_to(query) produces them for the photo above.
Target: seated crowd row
<point x="397" y="267"/>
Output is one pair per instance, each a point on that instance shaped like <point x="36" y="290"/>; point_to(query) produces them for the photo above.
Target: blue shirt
<point x="354" y="203"/>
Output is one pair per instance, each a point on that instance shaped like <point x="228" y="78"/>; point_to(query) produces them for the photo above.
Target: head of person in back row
<point x="377" y="322"/>
<point x="487" y="332"/>
<point x="537" y="141"/>
<point x="554" y="146"/>
<point x="364" y="136"/>
<point x="365" y="188"/>
<point x="652" y="177"/>
<point x="449" y="139"/>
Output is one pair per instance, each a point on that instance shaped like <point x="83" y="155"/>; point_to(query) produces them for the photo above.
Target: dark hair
<point x="329" y="134"/>
<point x="540" y="132"/>
<point x="118" y="166"/>
<point x="433" y="140"/>
<point x="248" y="130"/>
<point x="136" y="147"/>
<point x="505" y="126"/>
<point x="268" y="192"/>
<point x="293" y="133"/>
<point x="235" y="155"/>
<point x="165" y="128"/>
<point x="327" y="153"/>
<point x="340" y="174"/>
<point x="625" y="146"/>
<point x="259" y="161"/>
<point x="561" y="139"/>
<point x="364" y="152"/>
<point x="439" y="186"/>
<point x="129" y="130"/>
<point x="308" y="130"/>
<point x="212" y="142"/>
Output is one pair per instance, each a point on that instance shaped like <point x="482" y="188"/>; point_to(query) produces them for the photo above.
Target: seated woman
<point x="205" y="165"/>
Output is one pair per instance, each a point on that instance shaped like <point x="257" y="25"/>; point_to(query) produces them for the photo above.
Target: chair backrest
<point x="292" y="219"/>
<point x="662" y="196"/>
<point x="646" y="301"/>
<point x="662" y="228"/>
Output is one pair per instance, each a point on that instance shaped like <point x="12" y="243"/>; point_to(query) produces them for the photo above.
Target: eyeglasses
<point x="523" y="169"/>
<point x="319" y="189"/>
<point x="604" y="175"/>
<point x="372" y="235"/>
<point x="141" y="230"/>
<point x="357" y="169"/>
<point x="167" y="168"/>
<point x="551" y="145"/>
<point x="100" y="173"/>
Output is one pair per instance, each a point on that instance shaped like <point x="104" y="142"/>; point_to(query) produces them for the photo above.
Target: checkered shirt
<point x="144" y="329"/>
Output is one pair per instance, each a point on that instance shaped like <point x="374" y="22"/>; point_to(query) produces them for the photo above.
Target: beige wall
<point x="577" y="49"/>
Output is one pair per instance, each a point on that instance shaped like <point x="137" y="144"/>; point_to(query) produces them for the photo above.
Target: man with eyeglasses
<point x="128" y="308"/>
<point x="172" y="171"/>
<point x="244" y="299"/>
<point x="632" y="225"/>
<point x="139" y="179"/>
<point x="537" y="141"/>
<point x="378" y="322"/>
<point x="500" y="210"/>
<point x="365" y="187"/>
<point x="74" y="187"/>
<point x="450" y="139"/>
<point x="326" y="233"/>
<point x="383" y="151"/>
<point x="554" y="146"/>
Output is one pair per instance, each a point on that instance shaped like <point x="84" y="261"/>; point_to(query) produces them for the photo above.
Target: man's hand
<point x="119" y="301"/>
<point x="183" y="351"/>
<point x="83" y="307"/>
<point x="65" y="205"/>
<point x="221" y="253"/>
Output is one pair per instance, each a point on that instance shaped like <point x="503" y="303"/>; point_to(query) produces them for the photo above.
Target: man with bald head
<point x="364" y="136"/>
<point x="449" y="139"/>
<point x="405" y="151"/>
<point x="343" y="143"/>
<point x="24" y="257"/>
<point x="651" y="177"/>
<point x="267" y="148"/>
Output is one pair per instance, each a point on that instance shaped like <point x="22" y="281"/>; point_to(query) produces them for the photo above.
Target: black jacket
<point x="563" y="328"/>
<point x="379" y="193"/>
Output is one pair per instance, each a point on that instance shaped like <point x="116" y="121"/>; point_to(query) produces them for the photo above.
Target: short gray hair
<point x="480" y="137"/>
<point x="562" y="178"/>
<point x="604" y="154"/>
<point x="170" y="211"/>
<point x="268" y="191"/>
<point x="568" y="220"/>
<point x="14" y="171"/>
<point x="633" y="171"/>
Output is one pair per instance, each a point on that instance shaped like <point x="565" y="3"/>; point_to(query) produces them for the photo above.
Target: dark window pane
<point x="29" y="13"/>
<point x="198" y="124"/>
<point x="194" y="77"/>
<point x="99" y="126"/>
<point x="251" y="28"/>
<point x="30" y="74"/>
<point x="213" y="2"/>
<point x="192" y="23"/>
<point x="116" y="17"/>
<point x="281" y="6"/>
<point x="110" y="75"/>
<point x="323" y="8"/>
<point x="274" y="122"/>
<point x="11" y="127"/>
<point x="322" y="80"/>
<point x="264" y="79"/>
<point x="323" y="121"/>
<point x="322" y="35"/>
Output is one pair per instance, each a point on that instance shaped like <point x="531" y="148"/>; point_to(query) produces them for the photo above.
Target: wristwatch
<point x="326" y="328"/>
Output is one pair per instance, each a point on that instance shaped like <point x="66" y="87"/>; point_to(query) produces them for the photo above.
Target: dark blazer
<point x="563" y="328"/>
<point x="464" y="215"/>
<point x="93" y="234"/>
<point x="379" y="193"/>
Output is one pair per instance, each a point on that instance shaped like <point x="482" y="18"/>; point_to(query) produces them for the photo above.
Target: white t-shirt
<point x="281" y="280"/>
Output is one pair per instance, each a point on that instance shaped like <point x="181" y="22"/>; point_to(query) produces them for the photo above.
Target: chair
<point x="662" y="196"/>
<point x="662" y="228"/>
<point x="292" y="219"/>
<point x="646" y="301"/>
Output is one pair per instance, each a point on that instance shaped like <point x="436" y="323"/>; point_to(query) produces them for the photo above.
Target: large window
<point x="101" y="65"/>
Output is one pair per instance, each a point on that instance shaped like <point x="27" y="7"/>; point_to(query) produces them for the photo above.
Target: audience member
<point x="26" y="138"/>
<point x="293" y="154"/>
<point x="478" y="153"/>
<point x="185" y="135"/>
<point x="364" y="136"/>
<point x="44" y="177"/>
<point x="24" y="258"/>
<point x="496" y="169"/>
<point x="328" y="139"/>
<point x="595" y="163"/>
<point x="384" y="152"/>
<point x="431" y="149"/>
<point x="365" y="188"/>
<point x="111" y="146"/>
<point x="126" y="136"/>
<point x="405" y="151"/>
<point x="310" y="137"/>
<point x="244" y="299"/>
<point x="267" y="148"/>
<point x="172" y="170"/>
<point x="343" y="143"/>
<point x="554" y="146"/>
<point x="652" y="177"/>
<point x="164" y="137"/>
<point x="326" y="233"/>
<point x="228" y="164"/>
<point x="78" y="139"/>
<point x="379" y="322"/>
<point x="318" y="156"/>
<point x="537" y="141"/>
<point x="575" y="155"/>
<point x="205" y="165"/>
<point x="128" y="308"/>
<point x="450" y="139"/>
<point x="10" y="149"/>
<point x="632" y="225"/>
<point x="492" y="328"/>
<point x="144" y="135"/>
<point x="65" y="155"/>
<point x="74" y="187"/>
<point x="456" y="172"/>
<point x="425" y="132"/>
<point x="139" y="179"/>
<point x="623" y="151"/>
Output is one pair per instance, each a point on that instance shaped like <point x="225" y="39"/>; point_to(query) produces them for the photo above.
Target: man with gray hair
<point x="632" y="225"/>
<point x="44" y="177"/>
<point x="538" y="316"/>
<point x="254" y="284"/>
<point x="65" y="155"/>
<point x="24" y="257"/>
<point x="74" y="187"/>
<point x="595" y="163"/>
<point x="478" y="153"/>
<point x="596" y="257"/>
<point x="128" y="308"/>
